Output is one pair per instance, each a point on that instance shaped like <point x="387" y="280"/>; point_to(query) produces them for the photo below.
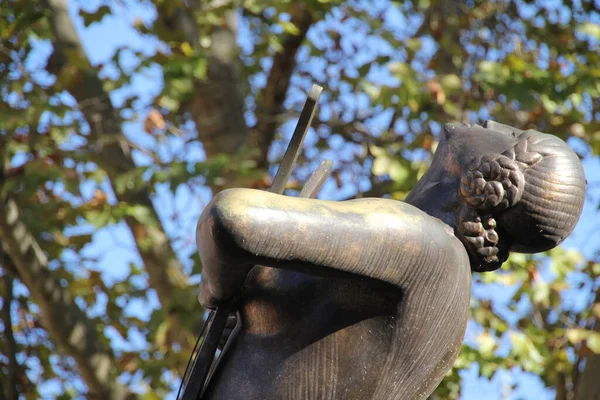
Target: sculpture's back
<point x="368" y="299"/>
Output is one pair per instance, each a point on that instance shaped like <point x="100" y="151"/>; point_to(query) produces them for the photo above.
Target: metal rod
<point x="313" y="185"/>
<point x="195" y="383"/>
<point x="295" y="147"/>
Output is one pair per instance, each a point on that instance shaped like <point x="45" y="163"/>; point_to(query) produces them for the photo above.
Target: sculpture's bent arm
<point x="381" y="239"/>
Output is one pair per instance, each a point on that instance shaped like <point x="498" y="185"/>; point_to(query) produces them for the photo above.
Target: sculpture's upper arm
<point x="381" y="239"/>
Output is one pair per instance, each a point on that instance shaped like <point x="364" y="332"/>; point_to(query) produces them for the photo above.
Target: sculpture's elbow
<point x="224" y="264"/>
<point x="218" y="229"/>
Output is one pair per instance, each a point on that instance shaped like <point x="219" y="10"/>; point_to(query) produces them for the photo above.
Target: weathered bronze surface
<point x="369" y="298"/>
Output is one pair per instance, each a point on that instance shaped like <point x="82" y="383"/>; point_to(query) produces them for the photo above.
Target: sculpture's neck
<point x="436" y="198"/>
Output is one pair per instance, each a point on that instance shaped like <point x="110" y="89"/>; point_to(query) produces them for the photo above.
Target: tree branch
<point x="217" y="107"/>
<point x="561" y="386"/>
<point x="271" y="98"/>
<point x="69" y="327"/>
<point x="588" y="385"/>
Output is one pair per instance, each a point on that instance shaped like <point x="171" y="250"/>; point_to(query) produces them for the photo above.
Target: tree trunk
<point x="12" y="377"/>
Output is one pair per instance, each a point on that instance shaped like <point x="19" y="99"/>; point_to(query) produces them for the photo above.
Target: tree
<point x="85" y="152"/>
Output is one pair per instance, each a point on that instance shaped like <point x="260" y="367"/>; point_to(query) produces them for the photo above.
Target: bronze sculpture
<point x="369" y="298"/>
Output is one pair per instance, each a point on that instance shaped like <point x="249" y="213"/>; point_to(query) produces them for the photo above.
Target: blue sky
<point x="116" y="249"/>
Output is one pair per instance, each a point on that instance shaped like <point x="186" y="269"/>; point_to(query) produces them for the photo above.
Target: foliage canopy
<point x="105" y="164"/>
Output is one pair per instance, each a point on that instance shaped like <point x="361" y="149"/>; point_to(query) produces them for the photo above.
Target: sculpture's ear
<point x="492" y="183"/>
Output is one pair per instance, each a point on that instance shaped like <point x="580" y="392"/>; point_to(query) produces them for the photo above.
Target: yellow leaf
<point x="487" y="344"/>
<point x="381" y="166"/>
<point x="593" y="342"/>
<point x="371" y="90"/>
<point x="187" y="49"/>
<point x="590" y="28"/>
<point x="516" y="63"/>
<point x="161" y="333"/>
<point x="289" y="28"/>
<point x="413" y="105"/>
<point x="377" y="151"/>
<point x="507" y="279"/>
<point x="577" y="335"/>
<point x="541" y="293"/>
<point x="414" y="44"/>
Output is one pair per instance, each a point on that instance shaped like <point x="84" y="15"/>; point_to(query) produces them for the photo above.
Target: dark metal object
<point x="205" y="358"/>
<point x="192" y="382"/>
<point x="203" y="362"/>
<point x="295" y="146"/>
<point x="313" y="185"/>
<point x="369" y="298"/>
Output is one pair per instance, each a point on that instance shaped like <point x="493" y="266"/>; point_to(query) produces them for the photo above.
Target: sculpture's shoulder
<point x="400" y="209"/>
<point x="400" y="215"/>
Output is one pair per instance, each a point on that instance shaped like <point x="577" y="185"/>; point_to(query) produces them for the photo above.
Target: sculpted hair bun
<point x="533" y="193"/>
<point x="552" y="199"/>
<point x="492" y="183"/>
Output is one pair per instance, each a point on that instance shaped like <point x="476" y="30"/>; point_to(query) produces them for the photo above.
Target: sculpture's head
<point x="519" y="191"/>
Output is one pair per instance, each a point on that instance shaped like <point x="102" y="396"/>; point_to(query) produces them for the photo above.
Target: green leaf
<point x="451" y="82"/>
<point x="526" y="352"/>
<point x="200" y="68"/>
<point x="399" y="69"/>
<point x="541" y="293"/>
<point x="549" y="105"/>
<point x="399" y="170"/>
<point x="99" y="217"/>
<point x="96" y="16"/>
<point x="373" y="91"/>
<point x="142" y="213"/>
